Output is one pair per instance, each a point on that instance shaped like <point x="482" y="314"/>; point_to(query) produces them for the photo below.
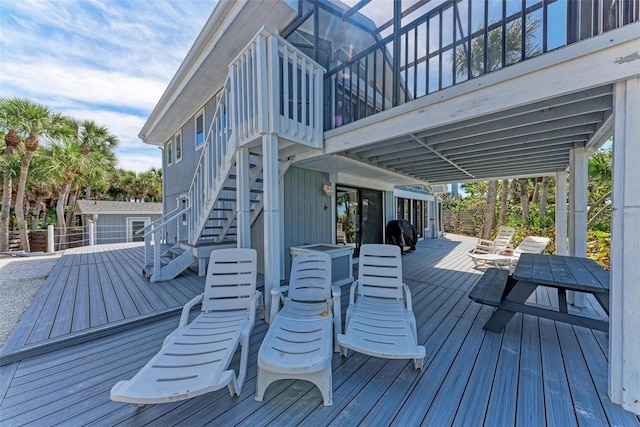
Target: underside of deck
<point x="536" y="372"/>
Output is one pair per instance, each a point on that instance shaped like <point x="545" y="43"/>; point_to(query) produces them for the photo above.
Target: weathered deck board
<point x="95" y="286"/>
<point x="536" y="372"/>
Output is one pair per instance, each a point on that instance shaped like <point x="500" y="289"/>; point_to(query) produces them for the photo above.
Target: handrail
<point x="168" y="219"/>
<point x="155" y="221"/>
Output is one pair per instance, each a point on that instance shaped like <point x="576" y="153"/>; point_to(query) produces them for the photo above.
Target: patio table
<point x="564" y="273"/>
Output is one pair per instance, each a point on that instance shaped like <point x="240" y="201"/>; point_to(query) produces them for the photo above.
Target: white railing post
<point x="92" y="236"/>
<point x="262" y="89"/>
<point x="51" y="239"/>
<point x="157" y="251"/>
<point x="273" y="59"/>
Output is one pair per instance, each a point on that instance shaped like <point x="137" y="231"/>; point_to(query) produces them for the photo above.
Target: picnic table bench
<point x="564" y="273"/>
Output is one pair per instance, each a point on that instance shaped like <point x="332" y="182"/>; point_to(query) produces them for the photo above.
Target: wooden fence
<point x="39" y="240"/>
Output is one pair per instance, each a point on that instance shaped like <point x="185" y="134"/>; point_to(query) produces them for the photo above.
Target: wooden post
<point x="272" y="241"/>
<point x="561" y="213"/>
<point x="578" y="178"/>
<point x="624" y="318"/>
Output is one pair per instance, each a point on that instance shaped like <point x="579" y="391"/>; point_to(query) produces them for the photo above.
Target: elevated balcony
<point x="454" y="42"/>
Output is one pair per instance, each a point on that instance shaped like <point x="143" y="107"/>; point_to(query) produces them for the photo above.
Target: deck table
<point x="564" y="273"/>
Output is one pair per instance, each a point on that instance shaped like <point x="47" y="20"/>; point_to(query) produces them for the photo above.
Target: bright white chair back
<point x="231" y="279"/>
<point x="310" y="277"/>
<point x="380" y="271"/>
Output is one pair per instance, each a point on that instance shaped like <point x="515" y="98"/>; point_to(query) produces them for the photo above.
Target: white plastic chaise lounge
<point x="195" y="358"/>
<point x="499" y="244"/>
<point x="299" y="342"/>
<point x="530" y="244"/>
<point x="380" y="320"/>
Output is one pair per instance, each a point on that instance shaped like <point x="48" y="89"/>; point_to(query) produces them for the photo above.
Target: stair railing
<point x="153" y="233"/>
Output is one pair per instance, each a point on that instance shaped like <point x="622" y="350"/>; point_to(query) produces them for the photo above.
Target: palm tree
<point x="122" y="187"/>
<point x="97" y="145"/>
<point x="8" y="122"/>
<point x="42" y="184"/>
<point x="66" y="161"/>
<point x="32" y="120"/>
<point x="513" y="49"/>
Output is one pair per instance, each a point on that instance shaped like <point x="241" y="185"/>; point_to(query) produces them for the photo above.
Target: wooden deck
<point x="93" y="289"/>
<point x="536" y="372"/>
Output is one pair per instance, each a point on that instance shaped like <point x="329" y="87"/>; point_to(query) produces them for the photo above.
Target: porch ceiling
<point x="528" y="140"/>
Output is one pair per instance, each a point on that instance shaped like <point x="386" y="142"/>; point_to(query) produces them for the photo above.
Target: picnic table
<point x="564" y="273"/>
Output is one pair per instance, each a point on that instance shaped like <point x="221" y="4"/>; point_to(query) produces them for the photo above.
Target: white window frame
<point x="195" y="127"/>
<point x="177" y="139"/>
<point x="129" y="221"/>
<point x="169" y="153"/>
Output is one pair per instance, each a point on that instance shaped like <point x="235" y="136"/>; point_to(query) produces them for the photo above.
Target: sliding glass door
<point x="359" y="217"/>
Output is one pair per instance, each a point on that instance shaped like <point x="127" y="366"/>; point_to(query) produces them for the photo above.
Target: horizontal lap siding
<point x="307" y="211"/>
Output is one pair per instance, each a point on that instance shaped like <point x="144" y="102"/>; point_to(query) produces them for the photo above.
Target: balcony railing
<point x="458" y="41"/>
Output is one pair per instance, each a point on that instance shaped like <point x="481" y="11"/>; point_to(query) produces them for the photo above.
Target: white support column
<point x="51" y="239"/>
<point x="92" y="233"/>
<point x="243" y="202"/>
<point x="561" y="213"/>
<point x="578" y="178"/>
<point x="624" y="317"/>
<point x="272" y="239"/>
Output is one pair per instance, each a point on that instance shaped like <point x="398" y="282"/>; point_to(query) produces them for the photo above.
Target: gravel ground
<point x="20" y="281"/>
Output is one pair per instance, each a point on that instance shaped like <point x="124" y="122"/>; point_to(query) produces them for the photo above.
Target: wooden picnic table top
<point x="568" y="272"/>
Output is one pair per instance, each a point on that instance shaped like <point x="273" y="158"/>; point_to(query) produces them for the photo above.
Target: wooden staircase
<point x="247" y="108"/>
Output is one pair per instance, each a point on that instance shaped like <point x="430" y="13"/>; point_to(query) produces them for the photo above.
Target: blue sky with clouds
<point x="107" y="61"/>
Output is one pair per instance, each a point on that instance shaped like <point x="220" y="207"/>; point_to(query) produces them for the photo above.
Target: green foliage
<point x="464" y="215"/>
<point x="599" y="247"/>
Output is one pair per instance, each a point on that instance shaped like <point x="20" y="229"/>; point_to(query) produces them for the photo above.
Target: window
<point x="178" y="142"/>
<point x="169" y="152"/>
<point x="200" y="129"/>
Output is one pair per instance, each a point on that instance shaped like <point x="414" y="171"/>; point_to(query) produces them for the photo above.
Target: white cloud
<point x="51" y="80"/>
<point x="107" y="61"/>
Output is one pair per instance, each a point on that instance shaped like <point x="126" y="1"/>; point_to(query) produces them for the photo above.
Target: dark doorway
<point x="359" y="217"/>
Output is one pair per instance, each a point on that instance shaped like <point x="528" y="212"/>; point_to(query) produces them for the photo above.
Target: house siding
<point x="112" y="228"/>
<point x="307" y="211"/>
<point x="178" y="176"/>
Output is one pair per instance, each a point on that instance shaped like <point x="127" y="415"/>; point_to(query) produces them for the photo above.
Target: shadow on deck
<point x="536" y="372"/>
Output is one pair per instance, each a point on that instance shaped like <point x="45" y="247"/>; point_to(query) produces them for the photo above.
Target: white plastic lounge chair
<point x="194" y="358"/>
<point x="380" y="320"/>
<point x="501" y="242"/>
<point x="299" y="342"/>
<point x="530" y="244"/>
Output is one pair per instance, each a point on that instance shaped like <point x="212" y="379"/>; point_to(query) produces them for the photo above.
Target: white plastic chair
<point x="298" y="344"/>
<point x="380" y="320"/>
<point x="499" y="244"/>
<point x="194" y="358"/>
<point x="530" y="244"/>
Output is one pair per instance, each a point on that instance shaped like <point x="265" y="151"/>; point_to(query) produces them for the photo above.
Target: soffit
<point x="530" y="140"/>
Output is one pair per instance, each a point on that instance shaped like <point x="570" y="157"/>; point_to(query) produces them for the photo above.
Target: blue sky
<point x="108" y="61"/>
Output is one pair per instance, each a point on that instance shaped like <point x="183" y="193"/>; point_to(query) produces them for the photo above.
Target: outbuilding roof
<point x="110" y="207"/>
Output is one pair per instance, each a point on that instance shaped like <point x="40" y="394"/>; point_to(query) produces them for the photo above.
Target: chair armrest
<point x="352" y="292"/>
<point x="407" y="297"/>
<point x="484" y="246"/>
<point x="256" y="302"/>
<point x="184" y="317"/>
<point x="276" y="299"/>
<point x="336" y="292"/>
